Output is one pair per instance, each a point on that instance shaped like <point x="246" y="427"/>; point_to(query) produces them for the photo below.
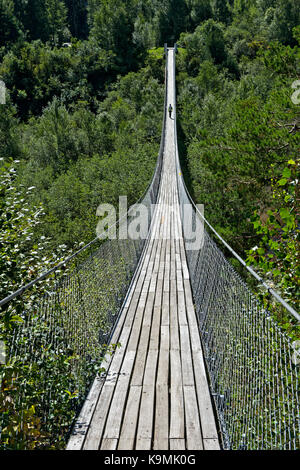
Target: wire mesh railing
<point x="65" y="320"/>
<point x="252" y="364"/>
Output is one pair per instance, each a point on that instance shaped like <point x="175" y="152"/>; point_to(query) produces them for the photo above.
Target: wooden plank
<point x="114" y="419"/>
<point x="165" y="316"/>
<point x="167" y="278"/>
<point x="162" y="444"/>
<point x="144" y="293"/>
<point x="174" y="330"/>
<point x="132" y="309"/>
<point x="185" y="270"/>
<point x="95" y="431"/>
<point x="150" y="369"/>
<point x="211" y="444"/>
<point x="126" y="444"/>
<point x="161" y="427"/>
<point x="191" y="318"/>
<point x="189" y="304"/>
<point x="152" y="287"/>
<point x="150" y="266"/>
<point x="179" y="280"/>
<point x="208" y="424"/>
<point x="143" y="444"/>
<point x="192" y="423"/>
<point x="163" y="362"/>
<point x="149" y="272"/>
<point x="195" y="338"/>
<point x="158" y="293"/>
<point x="147" y="320"/>
<point x="182" y="319"/>
<point x="129" y="425"/>
<point x="162" y="261"/>
<point x="172" y="261"/>
<point x="157" y="261"/>
<point x="143" y="342"/>
<point x="140" y="281"/>
<point x="174" y="334"/>
<point x="139" y="366"/>
<point x="136" y="329"/>
<point x="176" y="397"/>
<point x="186" y="357"/>
<point x="147" y="401"/>
<point x="179" y="226"/>
<point x="145" y="424"/>
<point x="155" y="329"/>
<point x="177" y="444"/>
<point x="167" y="267"/>
<point x="109" y="444"/>
<point x="143" y="267"/>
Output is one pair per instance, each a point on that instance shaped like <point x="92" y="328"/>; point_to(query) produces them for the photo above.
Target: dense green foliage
<point x="21" y="261"/>
<point x="239" y="128"/>
<point x="73" y="141"/>
<point x="82" y="121"/>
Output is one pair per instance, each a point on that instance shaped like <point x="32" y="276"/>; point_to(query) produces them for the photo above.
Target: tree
<point x="32" y="16"/>
<point x="23" y="379"/>
<point x="113" y="27"/>
<point x="9" y="136"/>
<point x="221" y="11"/>
<point x="277" y="253"/>
<point x="77" y="18"/>
<point x="144" y="35"/>
<point x="21" y="260"/>
<point x="285" y="17"/>
<point x="57" y="21"/>
<point x="206" y="43"/>
<point x="34" y="73"/>
<point x="9" y="25"/>
<point x="177" y="15"/>
<point x="198" y="11"/>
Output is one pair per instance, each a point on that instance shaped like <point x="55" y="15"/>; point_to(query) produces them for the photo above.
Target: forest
<point x="81" y="125"/>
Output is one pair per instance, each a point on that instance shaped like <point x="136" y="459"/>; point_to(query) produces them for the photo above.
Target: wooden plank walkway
<point x="155" y="394"/>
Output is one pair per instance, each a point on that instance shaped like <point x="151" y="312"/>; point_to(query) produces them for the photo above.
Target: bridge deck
<point x="155" y="394"/>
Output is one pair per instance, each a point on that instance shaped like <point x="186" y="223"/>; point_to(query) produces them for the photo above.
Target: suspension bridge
<point x="155" y="395"/>
<point x="201" y="364"/>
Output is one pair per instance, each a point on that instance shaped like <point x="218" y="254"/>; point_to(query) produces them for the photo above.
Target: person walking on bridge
<point x="170" y="110"/>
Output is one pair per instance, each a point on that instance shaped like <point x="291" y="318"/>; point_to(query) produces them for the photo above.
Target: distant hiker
<point x="170" y="110"/>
